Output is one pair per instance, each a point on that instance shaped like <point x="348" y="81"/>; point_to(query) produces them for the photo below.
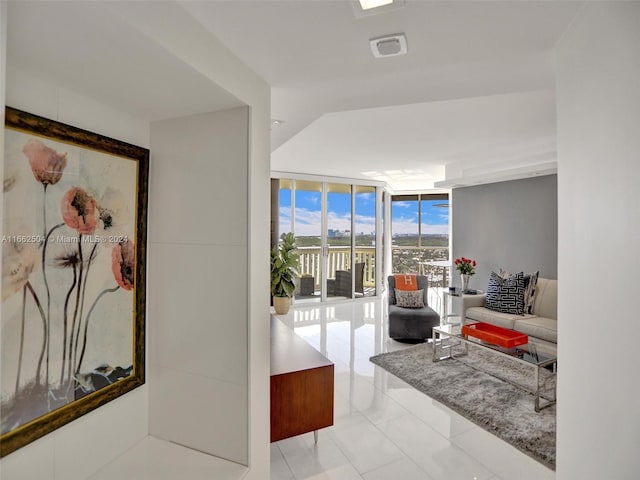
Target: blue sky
<point x="404" y="214"/>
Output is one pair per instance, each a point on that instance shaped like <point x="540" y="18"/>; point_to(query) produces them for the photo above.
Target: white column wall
<point x="81" y="447"/>
<point x="198" y="264"/>
<point x="598" y="97"/>
<point x="165" y="23"/>
<point x="3" y="66"/>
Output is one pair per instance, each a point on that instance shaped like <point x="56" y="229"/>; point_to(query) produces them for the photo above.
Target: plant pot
<point x="281" y="305"/>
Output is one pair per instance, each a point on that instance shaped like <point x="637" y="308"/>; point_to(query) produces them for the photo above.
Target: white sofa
<point x="542" y="324"/>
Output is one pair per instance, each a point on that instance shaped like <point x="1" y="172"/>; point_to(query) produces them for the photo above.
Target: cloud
<point x="431" y="229"/>
<point x="403" y="226"/>
<point x="405" y="204"/>
<point x="308" y="223"/>
<point x="365" y="225"/>
<point x="365" y="197"/>
<point x="401" y="219"/>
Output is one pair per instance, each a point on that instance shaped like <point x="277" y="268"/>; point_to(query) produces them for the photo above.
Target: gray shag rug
<point x="471" y="385"/>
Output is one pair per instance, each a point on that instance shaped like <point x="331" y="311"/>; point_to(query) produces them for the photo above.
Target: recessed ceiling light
<point x="369" y="4"/>
<point x="367" y="8"/>
<point x="276" y="122"/>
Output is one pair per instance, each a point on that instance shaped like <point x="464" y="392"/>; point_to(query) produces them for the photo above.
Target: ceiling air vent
<point x="389" y="45"/>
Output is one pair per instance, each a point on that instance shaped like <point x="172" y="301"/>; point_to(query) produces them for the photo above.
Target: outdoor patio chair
<point x="343" y="281"/>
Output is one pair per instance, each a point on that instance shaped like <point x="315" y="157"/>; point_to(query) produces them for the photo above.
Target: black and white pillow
<point x="410" y="298"/>
<point x="506" y="295"/>
<point x="530" y="283"/>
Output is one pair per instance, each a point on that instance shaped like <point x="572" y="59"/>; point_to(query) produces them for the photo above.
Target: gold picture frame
<point x="73" y="274"/>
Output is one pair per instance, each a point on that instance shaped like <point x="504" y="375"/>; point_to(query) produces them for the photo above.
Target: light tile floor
<point x="383" y="428"/>
<point x="155" y="459"/>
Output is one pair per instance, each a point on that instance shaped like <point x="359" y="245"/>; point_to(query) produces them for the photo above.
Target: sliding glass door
<point x="307" y="228"/>
<point x="335" y="228"/>
<point x="338" y="241"/>
<point x="365" y="209"/>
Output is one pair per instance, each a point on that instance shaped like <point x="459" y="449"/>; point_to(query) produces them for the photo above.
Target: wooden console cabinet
<point x="301" y="385"/>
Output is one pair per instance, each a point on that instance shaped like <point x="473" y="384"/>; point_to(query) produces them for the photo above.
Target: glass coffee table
<point x="534" y="354"/>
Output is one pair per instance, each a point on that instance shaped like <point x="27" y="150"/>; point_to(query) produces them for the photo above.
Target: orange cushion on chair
<point x="406" y="282"/>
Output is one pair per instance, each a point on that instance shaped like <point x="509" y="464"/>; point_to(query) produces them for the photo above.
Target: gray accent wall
<point x="511" y="225"/>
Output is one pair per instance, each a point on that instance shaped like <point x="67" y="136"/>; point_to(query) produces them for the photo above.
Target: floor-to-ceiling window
<point x="307" y="227"/>
<point x="285" y="206"/>
<point x="420" y="235"/>
<point x="335" y="225"/>
<point x="365" y="234"/>
<point x="339" y="239"/>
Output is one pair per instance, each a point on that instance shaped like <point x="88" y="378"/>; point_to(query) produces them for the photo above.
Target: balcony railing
<point x="429" y="261"/>
<point x="339" y="259"/>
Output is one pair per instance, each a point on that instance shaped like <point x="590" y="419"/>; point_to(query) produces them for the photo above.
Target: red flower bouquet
<point x="465" y="265"/>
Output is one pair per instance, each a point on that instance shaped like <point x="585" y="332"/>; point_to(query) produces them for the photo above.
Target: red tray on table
<point x="497" y="335"/>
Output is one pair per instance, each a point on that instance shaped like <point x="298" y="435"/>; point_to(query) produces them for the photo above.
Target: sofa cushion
<point x="539" y="327"/>
<point x="546" y="299"/>
<point x="482" y="314"/>
<point x="506" y="295"/>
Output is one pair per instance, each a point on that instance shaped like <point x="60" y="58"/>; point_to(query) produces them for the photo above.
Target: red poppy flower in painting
<point x="79" y="211"/>
<point x="47" y="164"/>
<point x="122" y="263"/>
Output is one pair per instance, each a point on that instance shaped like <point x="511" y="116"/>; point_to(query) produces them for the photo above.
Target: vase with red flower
<point x="466" y="267"/>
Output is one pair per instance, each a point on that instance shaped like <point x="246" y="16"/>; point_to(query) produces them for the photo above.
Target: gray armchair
<point x="411" y="325"/>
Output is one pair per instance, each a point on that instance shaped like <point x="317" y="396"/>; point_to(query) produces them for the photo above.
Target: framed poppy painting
<point x="73" y="274"/>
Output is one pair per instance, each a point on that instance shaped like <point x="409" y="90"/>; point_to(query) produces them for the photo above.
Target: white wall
<point x="198" y="239"/>
<point x="3" y="66"/>
<point x="211" y="58"/>
<point x="598" y="95"/>
<point x="163" y="23"/>
<point x="78" y="449"/>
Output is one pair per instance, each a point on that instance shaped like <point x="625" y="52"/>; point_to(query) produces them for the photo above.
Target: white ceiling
<point x="410" y="145"/>
<point x="473" y="97"/>
<point x="87" y="47"/>
<point x="472" y="101"/>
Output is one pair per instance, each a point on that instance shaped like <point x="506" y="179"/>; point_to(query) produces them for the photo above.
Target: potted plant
<point x="284" y="271"/>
